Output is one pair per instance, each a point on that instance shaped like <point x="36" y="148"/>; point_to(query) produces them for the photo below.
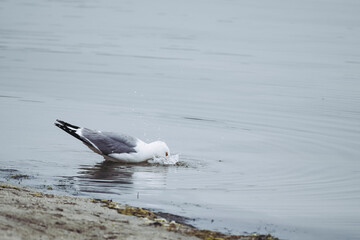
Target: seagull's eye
<point x="166" y="154"/>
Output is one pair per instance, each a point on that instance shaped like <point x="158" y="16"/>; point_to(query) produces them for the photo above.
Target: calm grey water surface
<point x="261" y="99"/>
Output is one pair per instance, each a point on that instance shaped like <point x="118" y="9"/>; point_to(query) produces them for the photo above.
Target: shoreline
<point x="28" y="214"/>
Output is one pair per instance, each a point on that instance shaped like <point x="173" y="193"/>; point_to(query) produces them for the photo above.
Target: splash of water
<point x="169" y="160"/>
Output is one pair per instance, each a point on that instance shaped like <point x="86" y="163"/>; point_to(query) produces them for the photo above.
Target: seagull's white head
<point x="160" y="149"/>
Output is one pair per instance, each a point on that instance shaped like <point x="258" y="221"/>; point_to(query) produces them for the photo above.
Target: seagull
<point x="116" y="147"/>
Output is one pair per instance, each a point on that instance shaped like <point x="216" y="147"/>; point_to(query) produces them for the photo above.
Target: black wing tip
<point x="63" y="127"/>
<point x="59" y="122"/>
<point x="65" y="124"/>
<point x="70" y="129"/>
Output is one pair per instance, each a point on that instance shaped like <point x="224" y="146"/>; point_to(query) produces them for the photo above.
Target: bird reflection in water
<point x="118" y="178"/>
<point x="107" y="171"/>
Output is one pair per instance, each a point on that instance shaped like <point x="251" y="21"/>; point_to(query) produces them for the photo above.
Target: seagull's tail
<point x="69" y="128"/>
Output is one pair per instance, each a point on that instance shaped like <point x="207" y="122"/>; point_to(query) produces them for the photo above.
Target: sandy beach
<point x="27" y="214"/>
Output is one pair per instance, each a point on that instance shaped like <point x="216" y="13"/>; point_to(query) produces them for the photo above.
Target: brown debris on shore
<point x="25" y="214"/>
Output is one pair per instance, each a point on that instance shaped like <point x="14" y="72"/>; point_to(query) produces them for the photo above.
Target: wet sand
<point x="27" y="214"/>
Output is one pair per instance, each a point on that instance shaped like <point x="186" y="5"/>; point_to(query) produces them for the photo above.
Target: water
<point x="260" y="99"/>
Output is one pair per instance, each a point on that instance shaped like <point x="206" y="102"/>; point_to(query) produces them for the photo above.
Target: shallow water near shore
<point x="260" y="100"/>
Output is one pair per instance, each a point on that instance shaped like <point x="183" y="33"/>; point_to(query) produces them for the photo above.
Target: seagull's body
<point x="116" y="147"/>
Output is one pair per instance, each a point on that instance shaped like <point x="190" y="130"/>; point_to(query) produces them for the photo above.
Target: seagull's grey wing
<point x="108" y="142"/>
